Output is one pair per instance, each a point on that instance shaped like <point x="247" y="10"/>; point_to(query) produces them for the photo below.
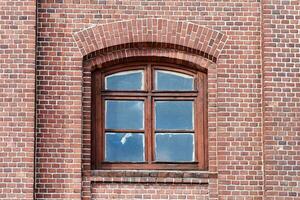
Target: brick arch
<point x="159" y="33"/>
<point x="147" y="54"/>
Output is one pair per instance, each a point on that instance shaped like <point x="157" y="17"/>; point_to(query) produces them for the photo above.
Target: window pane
<point x="172" y="115"/>
<point x="174" y="147"/>
<point x="166" y="80"/>
<point x="124" y="147"/>
<point x="129" y="80"/>
<point x="124" y="114"/>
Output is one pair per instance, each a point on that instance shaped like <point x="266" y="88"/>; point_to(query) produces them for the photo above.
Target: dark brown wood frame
<point x="199" y="95"/>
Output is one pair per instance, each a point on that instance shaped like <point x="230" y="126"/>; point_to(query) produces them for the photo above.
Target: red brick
<point x="250" y="49"/>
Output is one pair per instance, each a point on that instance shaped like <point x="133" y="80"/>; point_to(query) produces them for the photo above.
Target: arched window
<point x="149" y="116"/>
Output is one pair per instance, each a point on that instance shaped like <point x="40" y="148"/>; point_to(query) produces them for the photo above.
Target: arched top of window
<point x="125" y="80"/>
<point x="137" y="77"/>
<point x="165" y="80"/>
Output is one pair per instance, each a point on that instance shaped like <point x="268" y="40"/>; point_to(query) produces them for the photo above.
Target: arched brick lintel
<point x="158" y="32"/>
<point x="148" y="54"/>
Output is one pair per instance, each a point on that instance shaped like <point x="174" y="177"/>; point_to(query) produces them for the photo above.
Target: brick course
<point x="282" y="99"/>
<point x="17" y="91"/>
<point x="250" y="49"/>
<point x="148" y="191"/>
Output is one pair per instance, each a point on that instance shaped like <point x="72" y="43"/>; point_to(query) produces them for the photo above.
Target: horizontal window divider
<point x="176" y="91"/>
<point x="174" y="98"/>
<point x="124" y="130"/>
<point x="124" y="91"/>
<point x="124" y="98"/>
<point x="183" y="162"/>
<point x="107" y="162"/>
<point x="146" y="94"/>
<point x="174" y="131"/>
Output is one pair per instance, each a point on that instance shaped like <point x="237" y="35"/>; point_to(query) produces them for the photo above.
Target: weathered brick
<point x="250" y="49"/>
<point x="17" y="78"/>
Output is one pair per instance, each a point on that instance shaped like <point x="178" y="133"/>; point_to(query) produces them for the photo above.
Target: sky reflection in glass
<point x="174" y="147"/>
<point x="120" y="114"/>
<point x="167" y="80"/>
<point x="124" y="147"/>
<point x="128" y="80"/>
<point x="174" y="115"/>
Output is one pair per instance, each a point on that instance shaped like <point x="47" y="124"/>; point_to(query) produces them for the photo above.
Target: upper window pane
<point x="169" y="81"/>
<point x="120" y="114"/>
<point x="128" y="80"/>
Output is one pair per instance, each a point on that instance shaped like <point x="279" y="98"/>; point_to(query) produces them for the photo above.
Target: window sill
<point x="152" y="176"/>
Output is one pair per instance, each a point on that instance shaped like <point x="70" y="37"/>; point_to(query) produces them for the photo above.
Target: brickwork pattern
<point x="148" y="191"/>
<point x="282" y="99"/>
<point x="59" y="78"/>
<point x="161" y="31"/>
<point x="240" y="145"/>
<point x="251" y="51"/>
<point x="17" y="87"/>
<point x="238" y="137"/>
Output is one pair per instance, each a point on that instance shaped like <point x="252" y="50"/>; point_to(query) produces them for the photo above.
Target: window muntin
<point x="167" y="129"/>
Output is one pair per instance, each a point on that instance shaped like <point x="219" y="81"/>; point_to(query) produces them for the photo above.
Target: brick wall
<point x="253" y="117"/>
<point x="148" y="191"/>
<point x="17" y="77"/>
<point x="282" y="98"/>
<point x="59" y="79"/>
<point x="240" y="148"/>
<point x="239" y="104"/>
<point x="239" y="120"/>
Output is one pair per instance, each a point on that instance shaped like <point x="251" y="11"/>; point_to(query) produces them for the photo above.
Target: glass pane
<point x="121" y="114"/>
<point x="174" y="115"/>
<point x="174" y="147"/>
<point x="129" y="80"/>
<point x="166" y="80"/>
<point x="124" y="147"/>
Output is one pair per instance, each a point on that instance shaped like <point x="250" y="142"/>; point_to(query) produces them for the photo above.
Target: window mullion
<point x="148" y="114"/>
<point x="148" y="130"/>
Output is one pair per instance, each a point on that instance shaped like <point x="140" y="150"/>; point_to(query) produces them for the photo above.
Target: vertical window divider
<point x="148" y="131"/>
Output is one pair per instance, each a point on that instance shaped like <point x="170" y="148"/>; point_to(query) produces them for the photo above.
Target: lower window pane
<point x="124" y="147"/>
<point x="174" y="147"/>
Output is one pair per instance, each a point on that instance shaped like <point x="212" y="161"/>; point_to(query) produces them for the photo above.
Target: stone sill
<point x="152" y="176"/>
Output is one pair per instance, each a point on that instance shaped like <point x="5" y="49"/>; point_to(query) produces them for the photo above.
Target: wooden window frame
<point x="199" y="95"/>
